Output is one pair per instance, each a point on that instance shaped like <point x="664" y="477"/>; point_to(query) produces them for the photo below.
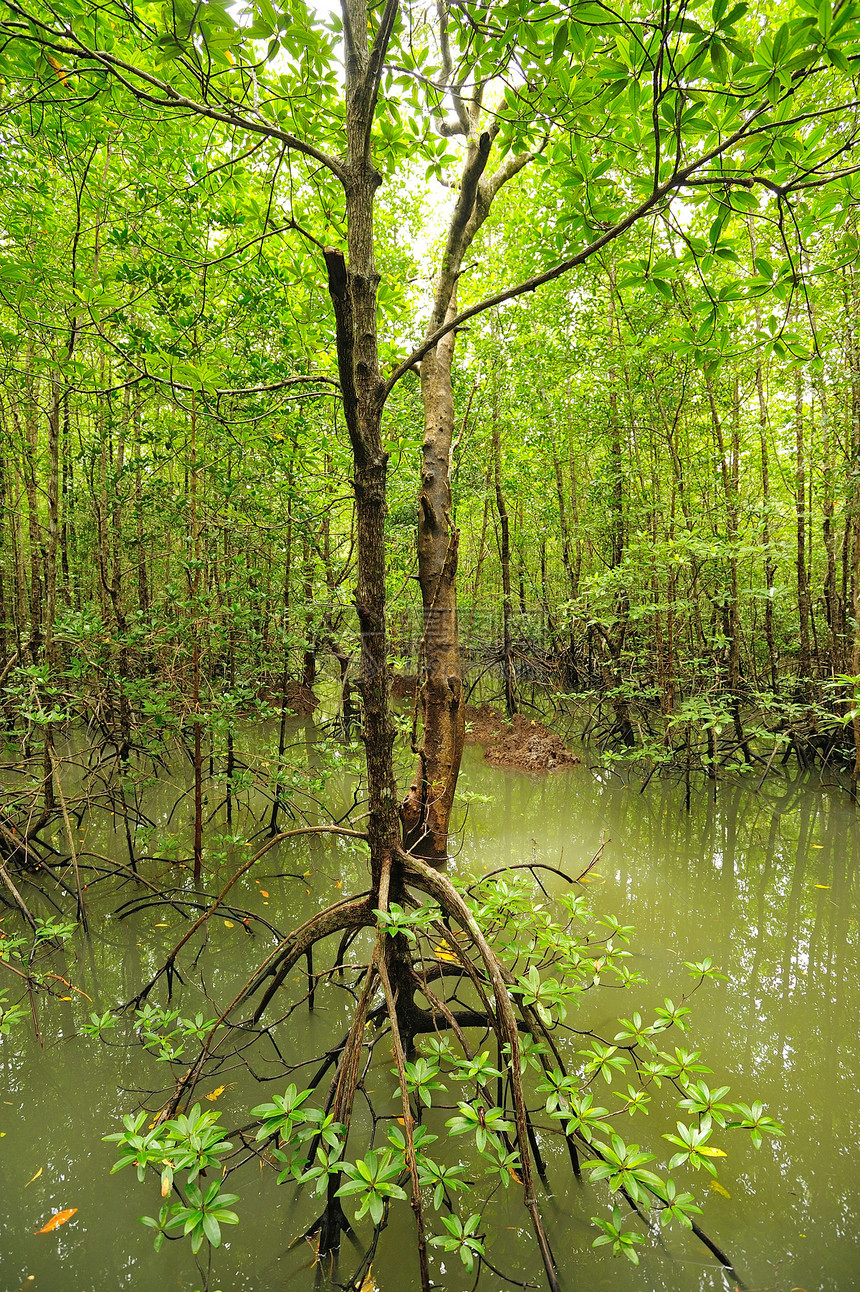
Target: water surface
<point x="763" y="883"/>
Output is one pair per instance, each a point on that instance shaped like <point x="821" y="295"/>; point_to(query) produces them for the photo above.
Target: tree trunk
<point x="505" y="558"/>
<point x="426" y="809"/>
<point x="353" y="288"/>
<point x="285" y="638"/>
<point x="803" y="596"/>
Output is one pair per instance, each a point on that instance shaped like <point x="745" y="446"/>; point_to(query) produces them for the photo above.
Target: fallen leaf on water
<point x="35" y="1177"/>
<point x="307" y="872"/>
<point x="263" y="893"/>
<point x="822" y="885"/>
<point x="368" y="1284"/>
<point x="161" y="926"/>
<point x="56" y="1220"/>
<point x="229" y="924"/>
<point x="214" y="1094"/>
<point x="443" y="952"/>
<point x="720" y="1189"/>
<point x="339" y="883"/>
<point x="818" y="845"/>
<point x="707" y="1151"/>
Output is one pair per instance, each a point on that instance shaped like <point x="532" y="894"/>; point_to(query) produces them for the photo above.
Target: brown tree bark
<point x="285" y="638"/>
<point x="804" y="601"/>
<point x="505" y="559"/>
<point x="729" y="472"/>
<point x="426" y="808"/>
<point x="352" y="287"/>
<point x="769" y="567"/>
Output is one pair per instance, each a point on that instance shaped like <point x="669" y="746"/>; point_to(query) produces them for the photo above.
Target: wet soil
<point x="300" y="699"/>
<point x="524" y="744"/>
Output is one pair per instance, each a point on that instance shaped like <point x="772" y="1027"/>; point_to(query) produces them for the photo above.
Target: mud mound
<point x="524" y="745"/>
<point x="300" y="699"/>
<point x="484" y="726"/>
<point x="403" y="686"/>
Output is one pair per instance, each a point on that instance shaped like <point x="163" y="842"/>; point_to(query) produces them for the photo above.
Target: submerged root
<point x="385" y="998"/>
<point x="328" y="1226"/>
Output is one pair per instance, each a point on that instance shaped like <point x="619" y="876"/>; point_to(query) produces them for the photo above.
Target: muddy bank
<point x="299" y="699"/>
<point x="524" y="744"/>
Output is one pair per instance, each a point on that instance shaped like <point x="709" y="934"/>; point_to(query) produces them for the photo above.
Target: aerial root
<point x="406" y="1019"/>
<point x="411" y="1162"/>
<point x="333" y="1221"/>
<point x="168" y="968"/>
<point x="353" y="913"/>
<point x="16" y="896"/>
<point x="505" y="1026"/>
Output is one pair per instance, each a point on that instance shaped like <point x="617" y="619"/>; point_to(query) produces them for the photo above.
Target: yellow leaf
<point x="161" y="926"/>
<point x="368" y="1284"/>
<point x="62" y="75"/>
<point x="818" y="845"/>
<point x="339" y="883"/>
<point x="307" y="872"/>
<point x="720" y="1189"/>
<point x="263" y="893"/>
<point x="59" y="1218"/>
<point x="229" y="924"/>
<point x="214" y="1094"/>
<point x="707" y="1151"/>
<point x="35" y="1177"/>
<point x="822" y="885"/>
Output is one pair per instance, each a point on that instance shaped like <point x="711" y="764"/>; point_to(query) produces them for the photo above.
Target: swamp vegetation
<point x="508" y="351"/>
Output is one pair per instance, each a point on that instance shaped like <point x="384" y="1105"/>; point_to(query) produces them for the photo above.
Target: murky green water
<point x="765" y="884"/>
